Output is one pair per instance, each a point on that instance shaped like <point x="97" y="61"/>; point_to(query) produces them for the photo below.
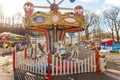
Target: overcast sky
<point x="10" y="7"/>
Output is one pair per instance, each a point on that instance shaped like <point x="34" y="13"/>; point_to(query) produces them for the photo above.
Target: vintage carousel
<point x="53" y="24"/>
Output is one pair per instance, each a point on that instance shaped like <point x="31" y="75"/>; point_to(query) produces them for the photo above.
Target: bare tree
<point x="1" y="10"/>
<point x="118" y="24"/>
<point x="89" y="16"/>
<point x="1" y="19"/>
<point x="97" y="29"/>
<point x="112" y="16"/>
<point x="17" y="24"/>
<point x="110" y="24"/>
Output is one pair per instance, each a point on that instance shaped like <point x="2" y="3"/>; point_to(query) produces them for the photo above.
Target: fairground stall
<point x="54" y="25"/>
<point x="8" y="41"/>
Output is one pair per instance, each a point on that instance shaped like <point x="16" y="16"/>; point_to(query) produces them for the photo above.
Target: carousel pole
<point x="97" y="61"/>
<point x="62" y="34"/>
<point x="49" y="76"/>
<point x="55" y="33"/>
<point x="35" y="45"/>
<point x="31" y="45"/>
<point x="55" y="38"/>
<point x="48" y="39"/>
<point x="25" y="52"/>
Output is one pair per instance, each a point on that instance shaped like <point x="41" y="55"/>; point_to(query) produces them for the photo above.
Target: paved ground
<point x="113" y="66"/>
<point x="112" y="73"/>
<point x="19" y="75"/>
<point x="84" y="53"/>
<point x="87" y="76"/>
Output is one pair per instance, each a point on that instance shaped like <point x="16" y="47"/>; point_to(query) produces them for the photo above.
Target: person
<point x="76" y="51"/>
<point x="31" y="50"/>
<point x="40" y="47"/>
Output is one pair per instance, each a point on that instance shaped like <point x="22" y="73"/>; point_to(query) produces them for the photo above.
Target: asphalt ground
<point x="112" y="71"/>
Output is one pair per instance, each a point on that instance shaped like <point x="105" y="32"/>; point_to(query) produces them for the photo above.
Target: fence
<point x="62" y="67"/>
<point x="38" y="65"/>
<point x="58" y="65"/>
<point x="6" y="50"/>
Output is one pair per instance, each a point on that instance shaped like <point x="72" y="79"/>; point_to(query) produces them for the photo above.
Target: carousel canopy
<point x="54" y="16"/>
<point x="44" y="20"/>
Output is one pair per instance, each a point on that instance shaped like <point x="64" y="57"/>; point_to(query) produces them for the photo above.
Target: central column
<point x="55" y="37"/>
<point x="55" y="33"/>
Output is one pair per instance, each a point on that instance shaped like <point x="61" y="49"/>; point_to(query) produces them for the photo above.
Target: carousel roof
<point x="53" y="17"/>
<point x="45" y="20"/>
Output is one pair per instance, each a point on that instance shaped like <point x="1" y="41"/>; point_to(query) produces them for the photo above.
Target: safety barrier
<point x="6" y="50"/>
<point x="38" y="65"/>
<point x="52" y="65"/>
<point x="62" y="67"/>
<point x="58" y="65"/>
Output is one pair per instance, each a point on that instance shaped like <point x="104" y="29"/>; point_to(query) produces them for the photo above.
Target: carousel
<point x="53" y="24"/>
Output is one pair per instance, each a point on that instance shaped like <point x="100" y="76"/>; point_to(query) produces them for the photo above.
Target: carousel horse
<point x="56" y="48"/>
<point x="67" y="52"/>
<point x="36" y="52"/>
<point x="76" y="50"/>
<point x="59" y="48"/>
<point x="44" y="46"/>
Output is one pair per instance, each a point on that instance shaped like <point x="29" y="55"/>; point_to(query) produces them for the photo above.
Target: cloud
<point x="98" y="12"/>
<point x="114" y="2"/>
<point x="107" y="8"/>
<point x="89" y="1"/>
<point x="13" y="7"/>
